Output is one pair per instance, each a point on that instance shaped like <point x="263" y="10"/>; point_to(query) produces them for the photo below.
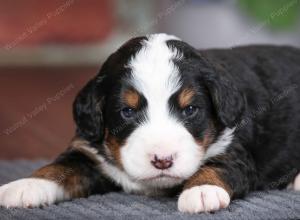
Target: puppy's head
<point x="158" y="109"/>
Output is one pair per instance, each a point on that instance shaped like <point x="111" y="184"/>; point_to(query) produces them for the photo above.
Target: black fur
<point x="87" y="111"/>
<point x="268" y="130"/>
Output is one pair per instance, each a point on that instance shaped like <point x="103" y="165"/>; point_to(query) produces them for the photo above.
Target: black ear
<point x="88" y="111"/>
<point x="227" y="99"/>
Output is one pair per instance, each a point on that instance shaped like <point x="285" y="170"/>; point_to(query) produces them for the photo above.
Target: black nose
<point x="162" y="163"/>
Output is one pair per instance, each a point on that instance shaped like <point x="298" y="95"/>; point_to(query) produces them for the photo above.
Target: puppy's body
<point x="270" y="127"/>
<point x="163" y="118"/>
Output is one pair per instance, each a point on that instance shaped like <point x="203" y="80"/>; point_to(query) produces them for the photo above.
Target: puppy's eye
<point x="190" y="111"/>
<point x="127" y="113"/>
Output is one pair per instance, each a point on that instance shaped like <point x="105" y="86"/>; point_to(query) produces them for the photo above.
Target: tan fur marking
<point x="207" y="175"/>
<point x="77" y="142"/>
<point x="208" y="138"/>
<point x="131" y="98"/>
<point x="67" y="177"/>
<point x="185" y="97"/>
<point x="114" y="146"/>
<point x="82" y="145"/>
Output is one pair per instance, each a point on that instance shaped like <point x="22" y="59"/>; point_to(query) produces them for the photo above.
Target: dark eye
<point x="190" y="111"/>
<point x="127" y="113"/>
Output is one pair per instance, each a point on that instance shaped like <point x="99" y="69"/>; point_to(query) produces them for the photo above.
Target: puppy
<point x="162" y="118"/>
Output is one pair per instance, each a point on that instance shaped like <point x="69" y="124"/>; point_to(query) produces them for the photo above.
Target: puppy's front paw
<point x="30" y="192"/>
<point x="204" y="198"/>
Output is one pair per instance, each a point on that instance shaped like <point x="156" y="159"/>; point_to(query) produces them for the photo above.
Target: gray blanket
<point x="258" y="205"/>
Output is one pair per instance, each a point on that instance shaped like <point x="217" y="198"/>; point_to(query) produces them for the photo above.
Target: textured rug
<point x="258" y="205"/>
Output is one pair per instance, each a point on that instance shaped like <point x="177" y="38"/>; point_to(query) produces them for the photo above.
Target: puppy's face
<point x="152" y="112"/>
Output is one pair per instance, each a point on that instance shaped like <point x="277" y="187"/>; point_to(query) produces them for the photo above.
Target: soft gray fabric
<point x="258" y="205"/>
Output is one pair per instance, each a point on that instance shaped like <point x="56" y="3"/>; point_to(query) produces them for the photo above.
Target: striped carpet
<point x="259" y="205"/>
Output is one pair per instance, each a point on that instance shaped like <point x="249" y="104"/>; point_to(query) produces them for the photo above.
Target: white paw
<point x="205" y="198"/>
<point x="296" y="185"/>
<point x="30" y="192"/>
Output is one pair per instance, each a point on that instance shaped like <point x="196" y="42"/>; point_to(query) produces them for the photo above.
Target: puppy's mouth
<point x="161" y="176"/>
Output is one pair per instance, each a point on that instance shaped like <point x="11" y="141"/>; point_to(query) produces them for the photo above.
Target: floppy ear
<point x="228" y="100"/>
<point x="88" y="111"/>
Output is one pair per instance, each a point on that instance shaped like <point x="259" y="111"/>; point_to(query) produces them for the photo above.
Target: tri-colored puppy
<point x="162" y="118"/>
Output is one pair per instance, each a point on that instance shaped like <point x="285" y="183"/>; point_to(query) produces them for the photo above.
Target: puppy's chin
<point x="161" y="181"/>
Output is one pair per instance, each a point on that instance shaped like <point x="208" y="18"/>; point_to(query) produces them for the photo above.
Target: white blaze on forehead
<point x="154" y="73"/>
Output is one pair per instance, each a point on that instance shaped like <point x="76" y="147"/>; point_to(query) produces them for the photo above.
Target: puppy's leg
<point x="73" y="174"/>
<point x="218" y="181"/>
<point x="205" y="192"/>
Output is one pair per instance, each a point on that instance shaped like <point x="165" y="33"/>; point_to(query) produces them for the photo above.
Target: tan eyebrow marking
<point x="185" y="97"/>
<point x="131" y="98"/>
